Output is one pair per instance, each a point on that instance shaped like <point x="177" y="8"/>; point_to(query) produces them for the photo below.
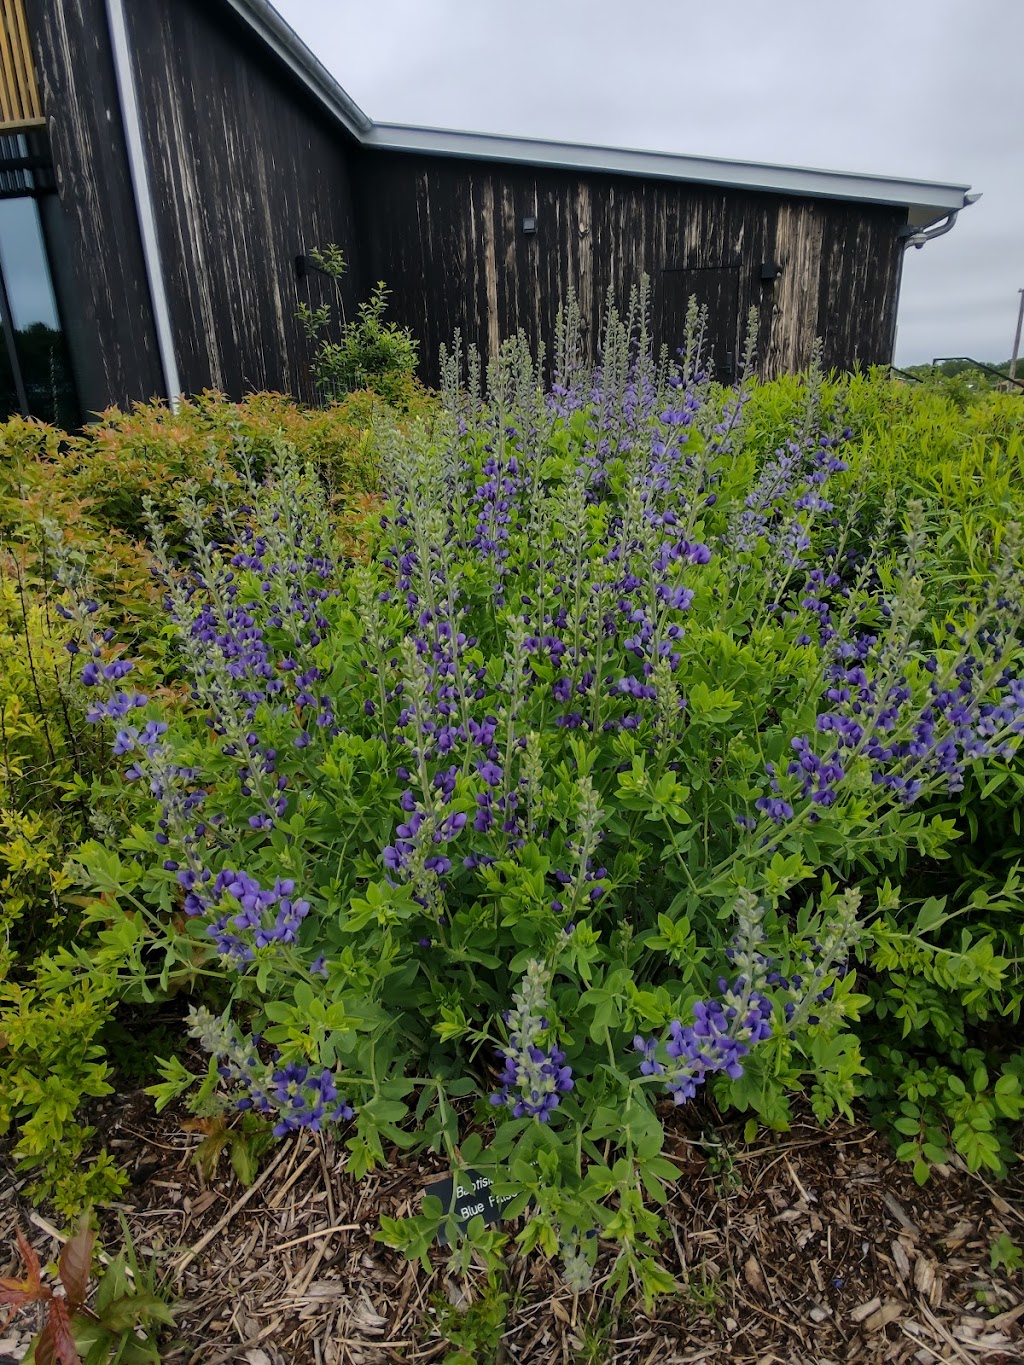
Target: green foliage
<point x="1005" y="1254"/>
<point x="95" y="483"/>
<point x="120" y="1323"/>
<point x="475" y="1329"/>
<point x="945" y="983"/>
<point x="942" y="1110"/>
<point x="51" y="1062"/>
<point x="964" y="382"/>
<point x="395" y="978"/>
<point x="79" y="499"/>
<point x="387" y="995"/>
<point x="243" y="1142"/>
<point x="371" y="353"/>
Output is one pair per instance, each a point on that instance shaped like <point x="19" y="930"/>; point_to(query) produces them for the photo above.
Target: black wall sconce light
<point x="529" y="223"/>
<point x="305" y="265"/>
<point x="770" y="271"/>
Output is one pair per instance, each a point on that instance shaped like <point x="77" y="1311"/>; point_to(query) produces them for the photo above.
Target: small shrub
<point x="81" y="499"/>
<point x="371" y="354"/>
<point x="51" y="1062"/>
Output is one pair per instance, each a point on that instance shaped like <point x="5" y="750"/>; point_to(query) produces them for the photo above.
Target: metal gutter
<point x="143" y="197"/>
<point x="940" y="231"/>
<point x="282" y="39"/>
<point x="914" y="236"/>
<point x="925" y="200"/>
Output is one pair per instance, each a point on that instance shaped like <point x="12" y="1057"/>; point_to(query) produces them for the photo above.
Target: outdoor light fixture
<point x="770" y="270"/>
<point x="529" y="223"/>
<point x="910" y="235"/>
<point x="306" y="265"/>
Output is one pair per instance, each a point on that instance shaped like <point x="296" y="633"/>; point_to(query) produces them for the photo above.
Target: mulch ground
<point x="805" y="1249"/>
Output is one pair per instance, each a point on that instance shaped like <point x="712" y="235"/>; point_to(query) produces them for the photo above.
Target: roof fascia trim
<point x="936" y="200"/>
<point x="286" y="44"/>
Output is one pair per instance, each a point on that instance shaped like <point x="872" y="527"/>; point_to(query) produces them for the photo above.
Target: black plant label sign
<point x="467" y="1198"/>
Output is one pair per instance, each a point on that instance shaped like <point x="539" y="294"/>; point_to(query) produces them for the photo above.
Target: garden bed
<point x="804" y="1248"/>
<point x="477" y="786"/>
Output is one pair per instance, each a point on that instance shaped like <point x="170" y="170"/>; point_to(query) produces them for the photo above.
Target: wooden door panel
<point x="717" y="288"/>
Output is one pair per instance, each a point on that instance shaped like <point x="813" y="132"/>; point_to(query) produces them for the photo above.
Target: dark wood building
<point x="163" y="164"/>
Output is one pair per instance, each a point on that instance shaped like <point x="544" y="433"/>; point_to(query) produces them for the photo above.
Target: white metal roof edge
<point x="918" y="196"/>
<point x="286" y="44"/>
<point x="926" y="202"/>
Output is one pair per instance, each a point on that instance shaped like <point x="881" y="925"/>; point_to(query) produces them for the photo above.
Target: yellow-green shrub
<point x="87" y="491"/>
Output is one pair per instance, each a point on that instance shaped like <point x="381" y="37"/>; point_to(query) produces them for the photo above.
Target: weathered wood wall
<point x="246" y="174"/>
<point x="446" y="234"/>
<point x="105" y="301"/>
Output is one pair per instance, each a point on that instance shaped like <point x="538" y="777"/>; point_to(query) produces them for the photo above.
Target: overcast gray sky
<point x="932" y="90"/>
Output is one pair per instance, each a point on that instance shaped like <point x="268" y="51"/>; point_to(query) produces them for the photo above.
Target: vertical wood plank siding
<point x="246" y="175"/>
<point x="247" y="172"/>
<point x="446" y="234"/>
<point x="109" y="311"/>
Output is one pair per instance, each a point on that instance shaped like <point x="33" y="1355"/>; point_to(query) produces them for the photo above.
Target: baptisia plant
<point x="535" y="1076"/>
<point x="546" y="807"/>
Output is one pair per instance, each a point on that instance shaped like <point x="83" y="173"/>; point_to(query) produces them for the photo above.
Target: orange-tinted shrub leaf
<point x="31" y="1289"/>
<point x="76" y="1263"/>
<point x="56" y="1344"/>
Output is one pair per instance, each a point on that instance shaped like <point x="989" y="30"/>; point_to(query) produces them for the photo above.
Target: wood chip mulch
<point x="808" y="1248"/>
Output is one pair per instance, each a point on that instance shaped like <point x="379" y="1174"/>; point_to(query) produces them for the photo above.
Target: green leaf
<point x="244" y="1160"/>
<point x="930" y="916"/>
<point x="1006" y="1254"/>
<point x="662" y="1168"/>
<point x="136" y="1308"/>
<point x="471" y="1149"/>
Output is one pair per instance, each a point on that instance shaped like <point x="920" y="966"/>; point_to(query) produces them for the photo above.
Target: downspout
<point x="911" y="236"/>
<point x="143" y="197"/>
<point x="917" y="237"/>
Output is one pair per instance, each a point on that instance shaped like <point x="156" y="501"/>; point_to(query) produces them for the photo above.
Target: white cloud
<point x="923" y="91"/>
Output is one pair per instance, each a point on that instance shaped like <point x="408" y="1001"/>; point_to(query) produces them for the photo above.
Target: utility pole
<point x="1016" y="339"/>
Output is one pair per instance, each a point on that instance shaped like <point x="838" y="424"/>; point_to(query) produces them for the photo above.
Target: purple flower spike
<point x="535" y="1076"/>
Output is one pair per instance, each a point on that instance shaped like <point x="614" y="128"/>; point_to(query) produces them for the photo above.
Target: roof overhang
<point x="288" y="47"/>
<point x="926" y="202"/>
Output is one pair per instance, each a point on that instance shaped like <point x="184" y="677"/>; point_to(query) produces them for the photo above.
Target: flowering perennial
<point x="294" y="1095"/>
<point x="535" y="1076"/>
<point x="612" y="671"/>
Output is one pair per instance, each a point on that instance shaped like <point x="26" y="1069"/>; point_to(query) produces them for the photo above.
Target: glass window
<point x="10" y="398"/>
<point x="45" y="389"/>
